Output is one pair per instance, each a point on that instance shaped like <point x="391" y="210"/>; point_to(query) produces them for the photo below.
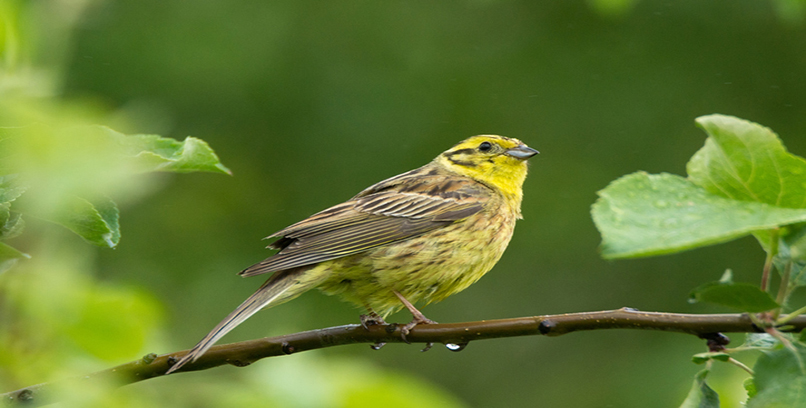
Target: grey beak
<point x="522" y="152"/>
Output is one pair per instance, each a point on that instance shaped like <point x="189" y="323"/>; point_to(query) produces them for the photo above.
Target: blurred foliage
<point x="58" y="319"/>
<point x="743" y="181"/>
<point x="789" y="11"/>
<point x="701" y="395"/>
<point x="780" y="378"/>
<point x="310" y="102"/>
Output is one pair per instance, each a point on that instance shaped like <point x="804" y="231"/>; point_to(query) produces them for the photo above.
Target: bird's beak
<point x="522" y="152"/>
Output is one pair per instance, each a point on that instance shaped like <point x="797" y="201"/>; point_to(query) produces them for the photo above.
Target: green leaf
<point x="780" y="378"/>
<point x="759" y="341"/>
<point x="95" y="222"/>
<point x="782" y="364"/>
<point x="794" y="242"/>
<point x="750" y="387"/>
<point x="702" y="358"/>
<point x="701" y="395"/>
<point x="9" y="257"/>
<point x="797" y="277"/>
<point x="157" y="153"/>
<point x="741" y="181"/>
<point x="742" y="296"/>
<point x="745" y="161"/>
<point x="791" y="250"/>
<point x="642" y="215"/>
<point x="10" y="188"/>
<point x="11" y="223"/>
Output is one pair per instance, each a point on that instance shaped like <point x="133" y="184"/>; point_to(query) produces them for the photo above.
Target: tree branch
<point x="244" y="353"/>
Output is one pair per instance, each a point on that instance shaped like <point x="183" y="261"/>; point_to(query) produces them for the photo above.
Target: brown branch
<point x="244" y="353"/>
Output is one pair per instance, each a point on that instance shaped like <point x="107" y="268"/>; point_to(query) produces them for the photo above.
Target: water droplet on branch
<point x="457" y="347"/>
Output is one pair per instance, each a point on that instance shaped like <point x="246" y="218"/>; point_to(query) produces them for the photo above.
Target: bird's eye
<point x="485" y="146"/>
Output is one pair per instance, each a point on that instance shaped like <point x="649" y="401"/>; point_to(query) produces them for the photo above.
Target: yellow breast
<point x="427" y="268"/>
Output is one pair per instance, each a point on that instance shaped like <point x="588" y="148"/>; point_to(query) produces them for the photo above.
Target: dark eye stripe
<point x="462" y="163"/>
<point x="460" y="151"/>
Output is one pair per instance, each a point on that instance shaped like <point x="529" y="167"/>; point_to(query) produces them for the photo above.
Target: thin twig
<point x="246" y="352"/>
<point x="766" y="276"/>
<point x="784" y="320"/>
<point x="741" y="365"/>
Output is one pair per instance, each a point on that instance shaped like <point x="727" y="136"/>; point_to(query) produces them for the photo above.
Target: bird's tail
<point x="281" y="287"/>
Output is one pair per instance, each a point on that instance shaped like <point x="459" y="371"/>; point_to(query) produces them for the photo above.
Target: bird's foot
<point x="371" y="319"/>
<point x="418" y="319"/>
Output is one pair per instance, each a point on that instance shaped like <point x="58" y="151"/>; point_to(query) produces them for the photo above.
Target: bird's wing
<point x="390" y="211"/>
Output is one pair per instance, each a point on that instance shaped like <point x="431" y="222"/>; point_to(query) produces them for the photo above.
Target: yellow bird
<point x="419" y="236"/>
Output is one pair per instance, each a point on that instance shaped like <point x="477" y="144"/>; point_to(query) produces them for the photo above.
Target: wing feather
<point x="399" y="208"/>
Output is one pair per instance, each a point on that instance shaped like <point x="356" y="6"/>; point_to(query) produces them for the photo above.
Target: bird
<point x="419" y="236"/>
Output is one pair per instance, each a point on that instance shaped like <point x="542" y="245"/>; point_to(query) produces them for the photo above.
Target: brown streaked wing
<point x="402" y="211"/>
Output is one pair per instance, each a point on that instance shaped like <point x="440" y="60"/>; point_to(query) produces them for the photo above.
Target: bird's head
<point x="496" y="161"/>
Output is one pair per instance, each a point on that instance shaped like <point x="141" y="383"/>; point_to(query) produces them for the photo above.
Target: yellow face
<point x="497" y="161"/>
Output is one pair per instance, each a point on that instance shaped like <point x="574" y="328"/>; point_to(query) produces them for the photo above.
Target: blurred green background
<point x="309" y="102"/>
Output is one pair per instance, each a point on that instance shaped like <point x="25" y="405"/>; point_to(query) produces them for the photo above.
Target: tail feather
<point x="281" y="287"/>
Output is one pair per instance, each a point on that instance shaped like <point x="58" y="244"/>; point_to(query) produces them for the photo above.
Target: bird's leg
<point x="419" y="317"/>
<point x="371" y="319"/>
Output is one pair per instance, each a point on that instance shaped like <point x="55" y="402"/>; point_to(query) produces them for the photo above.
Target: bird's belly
<point x="427" y="268"/>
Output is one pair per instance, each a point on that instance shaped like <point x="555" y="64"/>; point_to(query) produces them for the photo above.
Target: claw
<point x="371" y="319"/>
